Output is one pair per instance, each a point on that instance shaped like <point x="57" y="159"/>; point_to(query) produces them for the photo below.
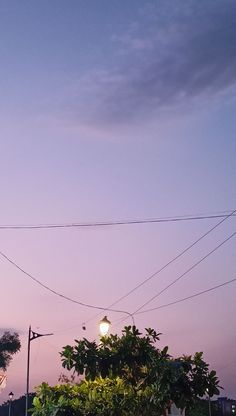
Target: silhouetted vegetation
<point x="9" y="345"/>
<point x="17" y="406"/>
<point x="126" y="376"/>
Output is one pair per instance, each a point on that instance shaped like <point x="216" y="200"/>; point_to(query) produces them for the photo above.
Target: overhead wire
<point x="185" y="273"/>
<point x="187" y="297"/>
<point x="225" y="217"/>
<point x="227" y="365"/>
<point x="13" y="263"/>
<point x="232" y="213"/>
<point x="113" y="223"/>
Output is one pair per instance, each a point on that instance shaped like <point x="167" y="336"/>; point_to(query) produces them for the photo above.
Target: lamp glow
<point x="104" y="326"/>
<point x="10" y="395"/>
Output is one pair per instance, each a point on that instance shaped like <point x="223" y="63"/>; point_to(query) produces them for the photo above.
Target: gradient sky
<point x="117" y="110"/>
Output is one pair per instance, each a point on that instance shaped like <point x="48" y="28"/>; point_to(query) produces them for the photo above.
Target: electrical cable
<point x="227" y="365"/>
<point x="60" y="294"/>
<point x="186" y="272"/>
<point x="114" y="223"/>
<point x="187" y="297"/>
<point x="104" y="224"/>
<point x="168" y="263"/>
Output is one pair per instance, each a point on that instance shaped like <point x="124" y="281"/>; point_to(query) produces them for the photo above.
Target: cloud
<point x="12" y="330"/>
<point x="168" y="59"/>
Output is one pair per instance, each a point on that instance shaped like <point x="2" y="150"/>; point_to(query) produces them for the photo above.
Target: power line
<point x="174" y="259"/>
<point x="186" y="272"/>
<point x="168" y="263"/>
<point x="227" y="365"/>
<point x="187" y="297"/>
<point x="114" y="223"/>
<point x="13" y="263"/>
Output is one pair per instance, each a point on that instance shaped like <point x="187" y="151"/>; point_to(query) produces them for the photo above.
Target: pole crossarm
<point x="34" y="335"/>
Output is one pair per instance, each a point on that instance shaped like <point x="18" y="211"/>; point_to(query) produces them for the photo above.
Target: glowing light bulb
<point x="104" y="326"/>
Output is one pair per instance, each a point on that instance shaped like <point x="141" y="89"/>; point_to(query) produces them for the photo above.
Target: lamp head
<point x="10" y="395"/>
<point x="104" y="326"/>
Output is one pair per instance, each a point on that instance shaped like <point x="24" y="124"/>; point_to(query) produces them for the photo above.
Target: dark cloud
<point x="2" y="330"/>
<point x="192" y="54"/>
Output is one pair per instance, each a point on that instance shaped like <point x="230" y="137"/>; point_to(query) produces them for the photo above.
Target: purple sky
<point x="108" y="111"/>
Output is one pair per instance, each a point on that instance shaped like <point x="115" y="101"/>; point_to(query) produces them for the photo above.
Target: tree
<point x="9" y="345"/>
<point x="17" y="406"/>
<point x="124" y="376"/>
<point x="201" y="408"/>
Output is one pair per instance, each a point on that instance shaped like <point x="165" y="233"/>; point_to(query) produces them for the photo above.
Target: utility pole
<point x="10" y="401"/>
<point x="31" y="336"/>
<point x="209" y="405"/>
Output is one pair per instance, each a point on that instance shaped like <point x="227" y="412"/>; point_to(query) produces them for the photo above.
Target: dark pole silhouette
<point x="32" y="335"/>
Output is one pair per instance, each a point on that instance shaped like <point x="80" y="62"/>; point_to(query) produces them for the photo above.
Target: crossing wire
<point x="114" y="223"/>
<point x="187" y="297"/>
<point x="13" y="263"/>
<point x="156" y="273"/>
<point x="186" y="272"/>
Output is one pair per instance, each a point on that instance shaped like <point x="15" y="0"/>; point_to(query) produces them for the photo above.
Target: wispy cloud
<point x="169" y="59"/>
<point x="2" y="330"/>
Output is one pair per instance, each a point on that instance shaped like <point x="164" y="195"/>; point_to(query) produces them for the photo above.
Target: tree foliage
<point x="9" y="345"/>
<point x="17" y="406"/>
<point x="124" y="376"/>
<point x="201" y="408"/>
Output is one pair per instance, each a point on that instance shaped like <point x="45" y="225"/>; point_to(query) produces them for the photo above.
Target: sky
<point x="117" y="110"/>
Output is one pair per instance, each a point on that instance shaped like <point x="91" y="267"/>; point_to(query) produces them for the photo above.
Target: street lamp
<point x="104" y="326"/>
<point x="10" y="395"/>
<point x="32" y="335"/>
<point x="209" y="402"/>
